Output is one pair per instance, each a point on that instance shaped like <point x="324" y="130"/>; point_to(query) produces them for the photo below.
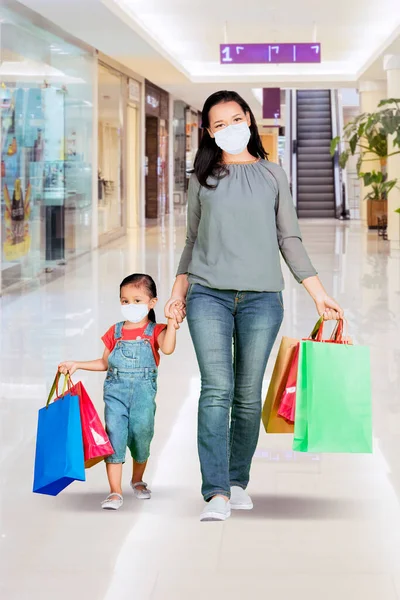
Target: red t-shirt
<point x="133" y="334"/>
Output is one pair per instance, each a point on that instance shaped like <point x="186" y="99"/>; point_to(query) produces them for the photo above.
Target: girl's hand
<point x="178" y="313"/>
<point x="68" y="368"/>
<point x="329" y="309"/>
<point x="174" y="323"/>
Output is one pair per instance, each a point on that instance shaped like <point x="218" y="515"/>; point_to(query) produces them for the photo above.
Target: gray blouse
<point x="235" y="232"/>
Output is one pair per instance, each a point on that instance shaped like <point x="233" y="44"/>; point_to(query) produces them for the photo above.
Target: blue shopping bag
<point x="59" y="456"/>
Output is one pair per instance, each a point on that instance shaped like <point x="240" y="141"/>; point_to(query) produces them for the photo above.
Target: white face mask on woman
<point x="134" y="312"/>
<point x="234" y="138"/>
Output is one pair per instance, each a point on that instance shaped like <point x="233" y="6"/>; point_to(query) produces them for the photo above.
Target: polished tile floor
<point x="323" y="527"/>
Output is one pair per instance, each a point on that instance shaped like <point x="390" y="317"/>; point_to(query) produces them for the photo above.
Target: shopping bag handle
<point x="337" y="334"/>
<point x="54" y="387"/>
<point x="67" y="384"/>
<point x="318" y="329"/>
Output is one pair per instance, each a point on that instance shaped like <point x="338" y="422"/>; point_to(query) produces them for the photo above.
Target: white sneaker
<point x="217" y="509"/>
<point x="141" y="494"/>
<point x="112" y="502"/>
<point x="240" y="500"/>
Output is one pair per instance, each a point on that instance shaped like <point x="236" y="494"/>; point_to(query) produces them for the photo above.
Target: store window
<point x="157" y="126"/>
<point x="179" y="153"/>
<point x="110" y="191"/>
<point x="132" y="172"/>
<point x="46" y="152"/>
<point x="192" y="139"/>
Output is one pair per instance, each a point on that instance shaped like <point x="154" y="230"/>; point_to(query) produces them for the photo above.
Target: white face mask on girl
<point x="234" y="138"/>
<point x="134" y="312"/>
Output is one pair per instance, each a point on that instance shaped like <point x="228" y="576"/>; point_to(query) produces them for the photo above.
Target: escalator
<point x="315" y="166"/>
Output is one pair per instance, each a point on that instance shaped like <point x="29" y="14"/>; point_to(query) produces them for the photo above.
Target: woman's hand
<point x="176" y="305"/>
<point x="68" y="367"/>
<point x="328" y="308"/>
<point x="176" y="309"/>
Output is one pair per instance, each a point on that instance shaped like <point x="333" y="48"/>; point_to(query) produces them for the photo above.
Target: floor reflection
<point x="326" y="520"/>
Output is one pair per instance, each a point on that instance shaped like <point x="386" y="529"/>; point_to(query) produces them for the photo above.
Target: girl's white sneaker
<point x="141" y="494"/>
<point x="112" y="502"/>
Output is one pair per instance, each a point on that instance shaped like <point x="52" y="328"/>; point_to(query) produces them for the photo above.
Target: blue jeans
<point x="231" y="378"/>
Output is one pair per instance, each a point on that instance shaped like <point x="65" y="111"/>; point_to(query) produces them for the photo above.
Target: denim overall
<point x="129" y="394"/>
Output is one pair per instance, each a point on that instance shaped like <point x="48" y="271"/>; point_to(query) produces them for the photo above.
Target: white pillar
<point x="95" y="153"/>
<point x="371" y="93"/>
<point x="391" y="65"/>
<point x="171" y="157"/>
<point x="142" y="155"/>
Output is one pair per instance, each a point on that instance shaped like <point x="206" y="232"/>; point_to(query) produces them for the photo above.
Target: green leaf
<point x="389" y="185"/>
<point x="366" y="179"/>
<point x="380" y="188"/>
<point x="360" y="130"/>
<point x="334" y="144"/>
<point x="389" y="101"/>
<point x="396" y="139"/>
<point x="359" y="165"/>
<point x="353" y="143"/>
<point x="375" y="177"/>
<point x="390" y="123"/>
<point x="397" y="210"/>
<point x="343" y="158"/>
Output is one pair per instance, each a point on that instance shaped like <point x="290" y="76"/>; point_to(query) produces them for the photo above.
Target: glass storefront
<point x="186" y="131"/>
<point x="46" y="149"/>
<point x="192" y="138"/>
<point x="110" y="107"/>
<point x="118" y="152"/>
<point x="132" y="171"/>
<point x="179" y="133"/>
<point x="157" y="127"/>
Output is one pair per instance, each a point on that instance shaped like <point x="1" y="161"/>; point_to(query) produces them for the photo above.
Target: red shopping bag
<point x="96" y="444"/>
<point x="287" y="406"/>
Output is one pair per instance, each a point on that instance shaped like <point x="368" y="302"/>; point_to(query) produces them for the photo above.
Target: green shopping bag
<point x="333" y="398"/>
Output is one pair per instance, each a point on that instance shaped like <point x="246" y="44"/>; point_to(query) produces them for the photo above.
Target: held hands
<point x="175" y="310"/>
<point x="68" y="367"/>
<point x="175" y="323"/>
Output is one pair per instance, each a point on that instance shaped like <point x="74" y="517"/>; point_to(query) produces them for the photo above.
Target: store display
<point x="38" y="147"/>
<point x="12" y="148"/>
<point x="46" y="151"/>
<point x="16" y="219"/>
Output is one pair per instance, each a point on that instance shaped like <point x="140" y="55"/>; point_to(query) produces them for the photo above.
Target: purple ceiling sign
<point x="246" y="54"/>
<point x="271" y="103"/>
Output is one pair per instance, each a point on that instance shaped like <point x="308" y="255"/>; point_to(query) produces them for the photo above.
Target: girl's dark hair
<point x="141" y="280"/>
<point x="208" y="161"/>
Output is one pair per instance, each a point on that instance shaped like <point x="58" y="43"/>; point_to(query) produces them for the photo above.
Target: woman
<point x="240" y="216"/>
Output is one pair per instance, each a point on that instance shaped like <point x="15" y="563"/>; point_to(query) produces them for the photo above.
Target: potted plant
<point x="377" y="197"/>
<point x="367" y="137"/>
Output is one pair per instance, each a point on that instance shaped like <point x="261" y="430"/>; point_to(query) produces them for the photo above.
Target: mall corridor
<point x="322" y="526"/>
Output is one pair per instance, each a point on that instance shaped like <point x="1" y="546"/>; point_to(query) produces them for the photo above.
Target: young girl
<point x="131" y="358"/>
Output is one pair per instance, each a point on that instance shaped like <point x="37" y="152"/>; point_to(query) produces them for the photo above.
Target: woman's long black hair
<point x="142" y="280"/>
<point x="208" y="161"/>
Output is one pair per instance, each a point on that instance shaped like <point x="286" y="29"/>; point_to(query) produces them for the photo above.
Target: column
<point x="95" y="154"/>
<point x="391" y="64"/>
<point x="371" y="93"/>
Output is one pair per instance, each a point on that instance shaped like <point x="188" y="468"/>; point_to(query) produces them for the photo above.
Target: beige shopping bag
<point x="272" y="422"/>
